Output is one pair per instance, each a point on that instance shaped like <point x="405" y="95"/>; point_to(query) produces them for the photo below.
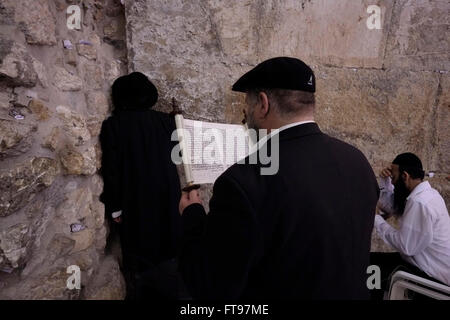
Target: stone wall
<point x="385" y="91"/>
<point x="53" y="99"/>
<point x="382" y="90"/>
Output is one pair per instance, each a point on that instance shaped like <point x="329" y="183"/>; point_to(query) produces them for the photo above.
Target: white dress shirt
<point x="423" y="238"/>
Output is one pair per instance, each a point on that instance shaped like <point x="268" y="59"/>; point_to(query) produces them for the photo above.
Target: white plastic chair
<point x="402" y="281"/>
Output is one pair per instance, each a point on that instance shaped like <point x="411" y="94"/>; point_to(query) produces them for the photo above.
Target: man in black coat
<point x="301" y="233"/>
<point x="141" y="186"/>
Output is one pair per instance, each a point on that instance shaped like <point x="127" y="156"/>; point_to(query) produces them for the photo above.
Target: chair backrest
<point x="402" y="281"/>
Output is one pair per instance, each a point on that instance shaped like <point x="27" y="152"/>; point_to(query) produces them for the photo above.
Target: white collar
<point x="273" y="132"/>
<point x="294" y="124"/>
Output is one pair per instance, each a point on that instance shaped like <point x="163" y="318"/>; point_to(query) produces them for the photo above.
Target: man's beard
<point x="400" y="195"/>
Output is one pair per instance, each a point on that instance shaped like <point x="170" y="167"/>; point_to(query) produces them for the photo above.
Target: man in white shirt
<point x="423" y="237"/>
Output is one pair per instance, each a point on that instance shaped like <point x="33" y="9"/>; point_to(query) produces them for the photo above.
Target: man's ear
<point x="264" y="108"/>
<point x="405" y="176"/>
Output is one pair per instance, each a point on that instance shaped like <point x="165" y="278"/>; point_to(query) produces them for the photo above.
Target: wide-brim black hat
<point x="133" y="91"/>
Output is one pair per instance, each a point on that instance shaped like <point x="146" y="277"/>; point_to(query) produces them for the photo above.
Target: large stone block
<point x="113" y="69"/>
<point x="89" y="49"/>
<point x="15" y="137"/>
<point x="6" y="97"/>
<point x="326" y="32"/>
<point x="39" y="109"/>
<point x="60" y="246"/>
<point x="76" y="206"/>
<point x="93" y="74"/>
<point x="193" y="50"/>
<point x="13" y="246"/>
<point x="77" y="162"/>
<point x="51" y="141"/>
<point x="97" y="103"/>
<point x="18" y="186"/>
<point x="383" y="113"/>
<point x="41" y="71"/>
<point x="74" y="125"/>
<point x="6" y="14"/>
<point x="17" y="66"/>
<point x="418" y="37"/>
<point x="36" y="21"/>
<point x="66" y="81"/>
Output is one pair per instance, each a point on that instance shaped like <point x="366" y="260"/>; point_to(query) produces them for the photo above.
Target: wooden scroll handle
<point x="175" y="108"/>
<point x="191" y="187"/>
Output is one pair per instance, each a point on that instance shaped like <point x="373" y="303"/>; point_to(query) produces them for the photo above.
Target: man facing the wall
<point x="302" y="233"/>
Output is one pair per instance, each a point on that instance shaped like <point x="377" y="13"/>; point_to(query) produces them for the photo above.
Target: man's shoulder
<point x="240" y="172"/>
<point x="344" y="146"/>
<point x="428" y="197"/>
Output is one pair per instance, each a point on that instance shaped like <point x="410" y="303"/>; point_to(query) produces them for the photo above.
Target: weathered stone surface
<point x="15" y="137"/>
<point x="83" y="240"/>
<point x="37" y="22"/>
<point x="52" y="140"/>
<point x="6" y="14"/>
<point x="19" y="185"/>
<point x="23" y="96"/>
<point x="381" y="112"/>
<point x="78" y="163"/>
<point x="80" y="206"/>
<point x="66" y="81"/>
<point x="227" y="38"/>
<point x="97" y="103"/>
<point x="6" y="97"/>
<point x="94" y="76"/>
<point x="441" y="183"/>
<point x="108" y="283"/>
<point x="114" y="10"/>
<point x="70" y="57"/>
<point x="441" y="156"/>
<point x="36" y="196"/>
<point x="39" y="109"/>
<point x="41" y="73"/>
<point x="111" y="29"/>
<point x="76" y="206"/>
<point x="89" y="51"/>
<point x="16" y="64"/>
<point x="98" y="213"/>
<point x="60" y="246"/>
<point x="94" y="125"/>
<point x="112" y="70"/>
<point x="74" y="125"/>
<point x="13" y="245"/>
<point x="418" y="38"/>
<point x="51" y="285"/>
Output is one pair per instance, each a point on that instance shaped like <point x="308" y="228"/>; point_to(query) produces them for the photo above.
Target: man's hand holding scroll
<point x="188" y="198"/>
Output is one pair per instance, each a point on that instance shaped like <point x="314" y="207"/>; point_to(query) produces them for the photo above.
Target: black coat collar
<point x="300" y="131"/>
